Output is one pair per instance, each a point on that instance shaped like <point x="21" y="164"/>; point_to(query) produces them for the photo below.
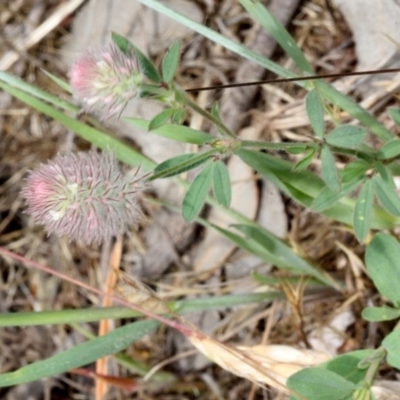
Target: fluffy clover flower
<point x="105" y="80"/>
<point x="83" y="195"/>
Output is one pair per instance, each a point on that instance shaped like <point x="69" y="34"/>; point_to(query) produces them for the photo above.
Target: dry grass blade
<point x="262" y="364"/>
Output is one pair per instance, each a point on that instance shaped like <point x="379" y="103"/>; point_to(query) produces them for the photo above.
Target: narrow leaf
<point x="161" y="119"/>
<point x="196" y="195"/>
<point x="305" y="162"/>
<point x="283" y="258"/>
<point x="175" y="132"/>
<point x="145" y="65"/>
<point x="329" y="170"/>
<point x="221" y="183"/>
<point x="180" y="164"/>
<point x="80" y="355"/>
<point x="171" y="61"/>
<point x="382" y="261"/>
<point x="387" y="195"/>
<point x="327" y="198"/>
<point x="389" y="150"/>
<point x="315" y="111"/>
<point x="363" y="211"/>
<point x="353" y="170"/>
<point x="346" y="136"/>
<point x="377" y="314"/>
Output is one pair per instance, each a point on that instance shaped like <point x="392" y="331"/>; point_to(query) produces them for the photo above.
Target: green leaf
<point x="80" y="355"/>
<point x="196" y="195"/>
<point x="179" y="116"/>
<point x="394" y="113"/>
<point x="389" y="150"/>
<point x="221" y="183"/>
<point x="160" y="119"/>
<point x="329" y="170"/>
<point x="182" y="163"/>
<point x="363" y="211"/>
<point x="145" y="65"/>
<point x="347" y="365"/>
<point x="382" y="259"/>
<point x="171" y="61"/>
<point x="346" y="136"/>
<point x="60" y="82"/>
<point x="320" y="384"/>
<point x="387" y="195"/>
<point x="282" y="257"/>
<point x="386" y="174"/>
<point x="354" y="170"/>
<point x="315" y="111"/>
<point x="305" y="162"/>
<point x="175" y="132"/>
<point x="327" y="198"/>
<point x="392" y="344"/>
<point x="377" y="314"/>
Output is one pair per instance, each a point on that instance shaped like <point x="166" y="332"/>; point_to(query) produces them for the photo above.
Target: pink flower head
<point x="105" y="80"/>
<point x="84" y="196"/>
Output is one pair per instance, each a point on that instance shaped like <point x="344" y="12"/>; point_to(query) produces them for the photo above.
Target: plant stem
<point x="219" y="124"/>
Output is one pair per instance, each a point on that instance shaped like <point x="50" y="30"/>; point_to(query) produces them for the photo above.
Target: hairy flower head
<point x="105" y="80"/>
<point x="83" y="195"/>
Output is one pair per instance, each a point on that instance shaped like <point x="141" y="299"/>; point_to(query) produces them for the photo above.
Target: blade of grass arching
<point x="304" y="186"/>
<point x="123" y="152"/>
<point x="218" y="38"/>
<point x="18" y="83"/>
<point x="80" y="355"/>
<point x="260" y="14"/>
<point x="326" y="90"/>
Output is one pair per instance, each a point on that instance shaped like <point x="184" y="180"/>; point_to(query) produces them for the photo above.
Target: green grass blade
<point x="80" y="355"/>
<point x="123" y="152"/>
<point x="260" y="14"/>
<point x="17" y="83"/>
<point x="218" y="38"/>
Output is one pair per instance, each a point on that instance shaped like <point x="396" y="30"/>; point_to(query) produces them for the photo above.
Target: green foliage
<point x="80" y="355"/>
<point x="146" y="66"/>
<point x="346" y="136"/>
<point x="320" y="384"/>
<point x="329" y="170"/>
<point x="363" y="211"/>
<point x="383" y="263"/>
<point x="221" y="183"/>
<point x="376" y="314"/>
<point x="315" y="111"/>
<point x="171" y="61"/>
<point x="197" y="193"/>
